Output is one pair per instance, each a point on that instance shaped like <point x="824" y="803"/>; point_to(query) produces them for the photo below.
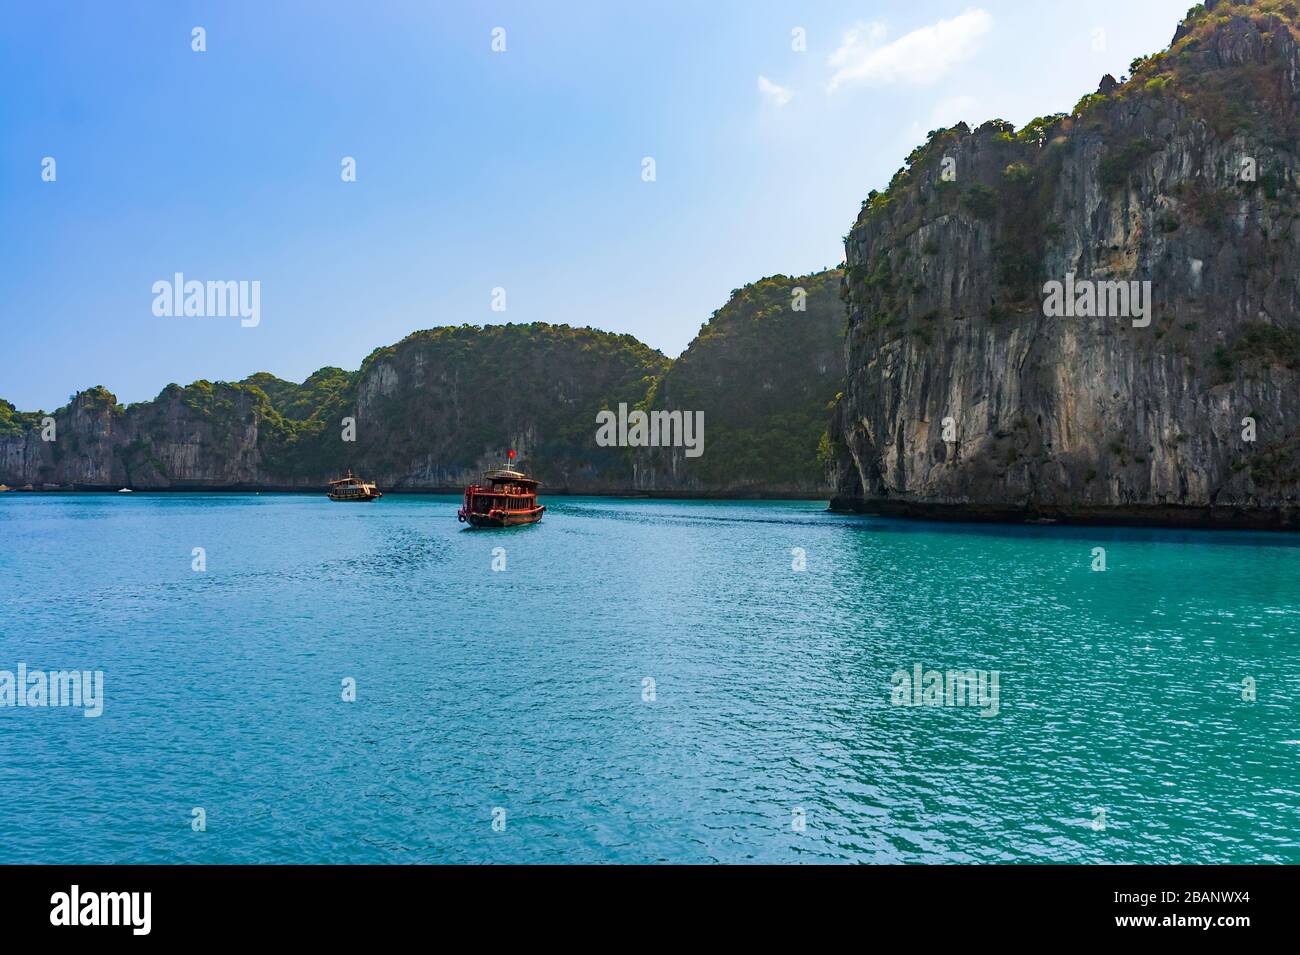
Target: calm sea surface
<point x="526" y="690"/>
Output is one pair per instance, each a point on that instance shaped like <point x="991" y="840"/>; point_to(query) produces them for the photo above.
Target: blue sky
<point x="476" y="169"/>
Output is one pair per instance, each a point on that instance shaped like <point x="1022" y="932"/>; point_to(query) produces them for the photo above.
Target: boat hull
<point x="499" y="518"/>
<point x="357" y="497"/>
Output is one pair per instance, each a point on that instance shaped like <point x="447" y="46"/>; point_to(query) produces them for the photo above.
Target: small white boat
<point x="349" y="488"/>
<point x="124" y="490"/>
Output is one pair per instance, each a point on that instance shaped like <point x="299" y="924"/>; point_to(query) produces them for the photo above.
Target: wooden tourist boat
<point x="349" y="488"/>
<point x="508" y="499"/>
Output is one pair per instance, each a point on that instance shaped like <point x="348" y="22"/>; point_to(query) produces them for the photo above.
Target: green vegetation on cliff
<point x="465" y="394"/>
<point x="763" y="373"/>
<point x="298" y="402"/>
<point x="14" y="422"/>
<point x="434" y="408"/>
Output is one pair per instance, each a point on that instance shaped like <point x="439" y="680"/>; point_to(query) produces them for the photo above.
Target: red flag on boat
<point x="512" y="454"/>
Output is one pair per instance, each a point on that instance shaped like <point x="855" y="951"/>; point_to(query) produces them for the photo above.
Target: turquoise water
<point x="523" y="690"/>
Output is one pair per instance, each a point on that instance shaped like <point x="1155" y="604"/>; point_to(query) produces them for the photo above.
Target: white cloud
<point x="773" y="94"/>
<point x="921" y="57"/>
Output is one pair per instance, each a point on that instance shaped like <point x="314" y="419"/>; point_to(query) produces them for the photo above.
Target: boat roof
<point x="503" y="475"/>
<point x="349" y="480"/>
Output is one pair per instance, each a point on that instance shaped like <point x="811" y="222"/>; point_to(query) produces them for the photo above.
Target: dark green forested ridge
<point x="14" y="422"/>
<point x="442" y="402"/>
<point x="763" y="373"/>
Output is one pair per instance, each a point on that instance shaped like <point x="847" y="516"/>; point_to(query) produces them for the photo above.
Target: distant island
<point x="431" y="412"/>
<point x="1093" y="318"/>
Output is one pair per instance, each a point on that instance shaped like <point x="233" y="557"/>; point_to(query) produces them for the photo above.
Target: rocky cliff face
<point x="429" y="412"/>
<point x="201" y="436"/>
<point x="968" y="394"/>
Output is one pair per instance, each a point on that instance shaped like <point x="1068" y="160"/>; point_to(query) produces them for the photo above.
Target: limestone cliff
<point x="1184" y="176"/>
<point x="427" y="413"/>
